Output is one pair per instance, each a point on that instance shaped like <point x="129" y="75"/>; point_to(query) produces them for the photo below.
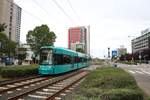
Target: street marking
<point x="36" y="96"/>
<point x="139" y="72"/>
<point x="131" y="71"/>
<point x="146" y="72"/>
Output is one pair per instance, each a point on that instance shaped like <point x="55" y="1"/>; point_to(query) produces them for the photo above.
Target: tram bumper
<point x="45" y="70"/>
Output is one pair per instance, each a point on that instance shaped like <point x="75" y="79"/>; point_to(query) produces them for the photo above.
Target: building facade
<point x="121" y="51"/>
<point x="141" y="45"/>
<point x="10" y="14"/>
<point x="79" y="38"/>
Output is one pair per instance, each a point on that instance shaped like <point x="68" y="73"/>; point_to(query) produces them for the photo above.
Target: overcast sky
<point x="111" y="21"/>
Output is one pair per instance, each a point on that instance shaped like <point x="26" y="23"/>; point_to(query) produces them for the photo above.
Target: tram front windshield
<point x="46" y="57"/>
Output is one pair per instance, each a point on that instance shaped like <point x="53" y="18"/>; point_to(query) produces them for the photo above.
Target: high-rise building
<point x="10" y="14"/>
<point x="79" y="38"/>
<point x="121" y="51"/>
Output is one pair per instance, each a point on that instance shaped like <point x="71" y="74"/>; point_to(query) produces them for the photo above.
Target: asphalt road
<point x="141" y="73"/>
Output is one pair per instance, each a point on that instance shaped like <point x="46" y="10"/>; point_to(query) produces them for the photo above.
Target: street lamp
<point x="0" y="44"/>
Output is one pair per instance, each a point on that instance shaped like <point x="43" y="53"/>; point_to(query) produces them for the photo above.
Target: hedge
<point x="19" y="71"/>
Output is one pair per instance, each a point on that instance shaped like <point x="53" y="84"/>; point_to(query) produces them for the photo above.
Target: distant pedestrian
<point x="16" y="62"/>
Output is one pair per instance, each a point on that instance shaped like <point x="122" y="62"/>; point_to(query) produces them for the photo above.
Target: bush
<point x="19" y="71"/>
<point x="110" y="83"/>
<point x="128" y="62"/>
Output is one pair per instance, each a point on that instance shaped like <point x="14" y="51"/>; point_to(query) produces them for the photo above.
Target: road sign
<point x="114" y="53"/>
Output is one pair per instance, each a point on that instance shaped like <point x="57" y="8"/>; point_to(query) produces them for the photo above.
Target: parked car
<point x="9" y="61"/>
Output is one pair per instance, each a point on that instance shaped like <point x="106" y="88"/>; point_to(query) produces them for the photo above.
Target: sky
<point x="113" y="23"/>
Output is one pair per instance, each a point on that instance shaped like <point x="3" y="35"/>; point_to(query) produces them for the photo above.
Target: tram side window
<point x="58" y="59"/>
<point x="66" y="59"/>
<point x="79" y="60"/>
<point x="73" y="60"/>
<point x="76" y="59"/>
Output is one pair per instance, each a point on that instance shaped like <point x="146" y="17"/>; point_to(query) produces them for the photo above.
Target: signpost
<point x="114" y="53"/>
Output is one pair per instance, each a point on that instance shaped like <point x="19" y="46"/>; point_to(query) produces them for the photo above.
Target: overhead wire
<point x="57" y="4"/>
<point x="35" y="1"/>
<point x="73" y="9"/>
<point x="37" y="18"/>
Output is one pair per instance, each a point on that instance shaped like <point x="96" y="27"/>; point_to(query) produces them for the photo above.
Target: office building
<point x="141" y="45"/>
<point x="142" y="42"/>
<point x="79" y="38"/>
<point x="10" y="14"/>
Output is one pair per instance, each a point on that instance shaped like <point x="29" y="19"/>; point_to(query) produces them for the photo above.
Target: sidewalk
<point x="144" y="65"/>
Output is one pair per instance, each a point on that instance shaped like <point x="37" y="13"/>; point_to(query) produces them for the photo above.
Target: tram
<point x="56" y="60"/>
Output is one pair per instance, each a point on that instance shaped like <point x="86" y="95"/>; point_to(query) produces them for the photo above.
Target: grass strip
<point x="109" y="83"/>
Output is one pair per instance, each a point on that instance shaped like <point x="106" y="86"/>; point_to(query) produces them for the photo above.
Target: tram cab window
<point x="46" y="56"/>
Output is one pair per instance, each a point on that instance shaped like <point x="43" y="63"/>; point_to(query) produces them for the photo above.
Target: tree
<point x="40" y="36"/>
<point x="80" y="50"/>
<point x="22" y="53"/>
<point x="3" y="40"/>
<point x="2" y="27"/>
<point x="6" y="46"/>
<point x="10" y="48"/>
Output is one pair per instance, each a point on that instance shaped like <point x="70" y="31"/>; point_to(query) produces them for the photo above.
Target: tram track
<point x="26" y="91"/>
<point x="18" y="80"/>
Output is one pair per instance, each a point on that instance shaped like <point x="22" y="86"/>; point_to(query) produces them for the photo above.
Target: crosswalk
<point x="142" y="72"/>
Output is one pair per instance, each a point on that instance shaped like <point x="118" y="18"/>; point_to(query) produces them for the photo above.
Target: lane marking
<point x="139" y="72"/>
<point x="146" y="72"/>
<point x="131" y="71"/>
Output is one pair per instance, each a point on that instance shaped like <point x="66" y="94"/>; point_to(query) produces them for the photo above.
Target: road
<point x="141" y="73"/>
